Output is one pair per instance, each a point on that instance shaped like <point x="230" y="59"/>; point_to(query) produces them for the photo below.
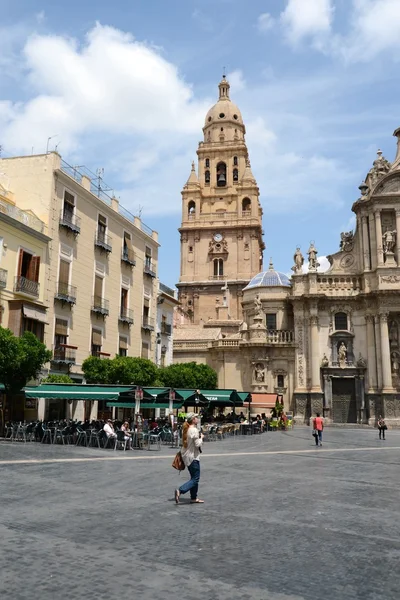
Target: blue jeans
<point x="193" y="484"/>
<point x="318" y="438"/>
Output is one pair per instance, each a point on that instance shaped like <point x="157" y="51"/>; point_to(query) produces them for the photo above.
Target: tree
<point x="21" y="359"/>
<point x="96" y="370"/>
<point x="189" y="375"/>
<point x="57" y="379"/>
<point x="127" y="370"/>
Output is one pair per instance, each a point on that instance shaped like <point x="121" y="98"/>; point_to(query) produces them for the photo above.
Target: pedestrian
<point x="381" y="427"/>
<point x="318" y="425"/>
<point x="192" y="441"/>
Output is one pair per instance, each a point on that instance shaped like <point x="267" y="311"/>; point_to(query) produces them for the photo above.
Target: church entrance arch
<point x="344" y="404"/>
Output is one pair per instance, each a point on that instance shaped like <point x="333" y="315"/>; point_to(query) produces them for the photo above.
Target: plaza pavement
<point x="283" y="520"/>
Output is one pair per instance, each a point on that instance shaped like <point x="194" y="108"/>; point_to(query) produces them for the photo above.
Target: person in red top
<point x="318" y="425"/>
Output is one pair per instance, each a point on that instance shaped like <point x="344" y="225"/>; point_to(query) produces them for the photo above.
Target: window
<point x="207" y="163"/>
<point x="35" y="327"/>
<point x="128" y="253"/>
<point x="246" y="205"/>
<point x="98" y="290"/>
<point x="271" y="321"/>
<point x="145" y="350"/>
<point x="235" y="161"/>
<point x="221" y="174"/>
<point x="191" y="207"/>
<point x="190" y="248"/>
<point x="281" y="381"/>
<point x="123" y="346"/>
<point x="28" y="266"/>
<point x="148" y="258"/>
<point x="96" y="342"/>
<point x="60" y="332"/>
<point x="124" y="299"/>
<point x="218" y="267"/>
<point x="63" y="277"/>
<point x="69" y="206"/>
<point x="101" y="228"/>
<point x="235" y="175"/>
<point x="341" y="321"/>
<point x="207" y="177"/>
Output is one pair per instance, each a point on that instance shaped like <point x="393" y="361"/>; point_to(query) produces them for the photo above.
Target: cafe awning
<point x="223" y="397"/>
<point x="143" y="405"/>
<point x="263" y="400"/>
<point x="74" y="391"/>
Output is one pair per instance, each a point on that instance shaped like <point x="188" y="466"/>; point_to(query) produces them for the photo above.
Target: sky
<point x="125" y="86"/>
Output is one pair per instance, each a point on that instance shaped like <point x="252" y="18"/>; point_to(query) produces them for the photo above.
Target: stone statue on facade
<point x="259" y="373"/>
<point x="342" y="355"/>
<point x="395" y="364"/>
<point x="313" y="264"/>
<point x="325" y="361"/>
<point x="346" y="241"/>
<point x="379" y="169"/>
<point x="258" y="306"/>
<point x="394" y="334"/>
<point x="298" y="261"/>
<point x="389" y="242"/>
<point x="361" y="362"/>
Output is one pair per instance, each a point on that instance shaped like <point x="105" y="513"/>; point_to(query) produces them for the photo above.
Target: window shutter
<point x="64" y="272"/>
<point x="20" y="258"/>
<point x="61" y="327"/>
<point x="34" y="267"/>
<point x="98" y="286"/>
<point x="96" y="337"/>
<point x="128" y="241"/>
<point x="123" y="343"/>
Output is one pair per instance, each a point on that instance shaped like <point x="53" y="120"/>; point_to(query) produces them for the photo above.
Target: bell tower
<point x="221" y="230"/>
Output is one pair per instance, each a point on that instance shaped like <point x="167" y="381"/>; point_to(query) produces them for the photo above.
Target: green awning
<point x="223" y="397"/>
<point x="143" y="405"/>
<point x="74" y="391"/>
<point x="244" y="396"/>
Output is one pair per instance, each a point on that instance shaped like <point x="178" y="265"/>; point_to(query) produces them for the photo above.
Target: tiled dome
<point x="269" y="278"/>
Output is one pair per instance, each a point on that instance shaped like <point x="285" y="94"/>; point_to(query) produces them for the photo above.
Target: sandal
<point x="177" y="496"/>
<point x="197" y="501"/>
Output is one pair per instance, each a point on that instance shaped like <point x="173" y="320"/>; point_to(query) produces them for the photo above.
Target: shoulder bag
<point x="178" y="463"/>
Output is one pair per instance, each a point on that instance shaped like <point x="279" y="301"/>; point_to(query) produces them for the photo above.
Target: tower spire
<point x="224" y="88"/>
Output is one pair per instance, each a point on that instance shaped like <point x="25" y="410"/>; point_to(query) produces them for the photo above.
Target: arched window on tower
<point x="221" y="174"/>
<point x="235" y="175"/>
<point x="207" y="163"/>
<point x="207" y="177"/>
<point x="218" y="268"/>
<point x="341" y="321"/>
<point x="191" y="208"/>
<point x="246" y="206"/>
<point x="235" y="161"/>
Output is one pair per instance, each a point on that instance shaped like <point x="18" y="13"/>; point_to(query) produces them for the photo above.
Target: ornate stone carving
<point x="395" y="361"/>
<point x="342" y="355"/>
<point x="298" y="261"/>
<point x="347" y="261"/>
<point x="313" y="264"/>
<point x="258" y="307"/>
<point x="384" y="317"/>
<point x="361" y="362"/>
<point x="325" y="361"/>
<point x="379" y="169"/>
<point x="389" y="187"/>
<point x="346" y="241"/>
<point x="259" y="373"/>
<point x="389" y="245"/>
<point x="218" y="247"/>
<point x="313" y="320"/>
<point x="394" y="334"/>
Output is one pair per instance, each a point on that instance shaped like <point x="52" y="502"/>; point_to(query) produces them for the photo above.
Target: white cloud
<point x="324" y="265"/>
<point x="236" y="80"/>
<point x="265" y="22"/>
<point x="307" y="18"/>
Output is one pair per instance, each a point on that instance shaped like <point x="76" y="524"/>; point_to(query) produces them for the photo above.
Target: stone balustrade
<point x="339" y="285"/>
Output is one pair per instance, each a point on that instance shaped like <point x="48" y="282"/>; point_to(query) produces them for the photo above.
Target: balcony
<point x="128" y="257"/>
<point x="166" y="328"/>
<point x="148" y="323"/>
<point x="3" y="278"/>
<point x="25" y="217"/>
<point x="65" y="293"/>
<point x="126" y="315"/>
<point x="100" y="306"/>
<point x="103" y="241"/>
<point x="100" y="354"/>
<point x="64" y="354"/>
<point x="148" y="269"/>
<point x="70" y="221"/>
<point x="280" y="336"/>
<point x="23" y="285"/>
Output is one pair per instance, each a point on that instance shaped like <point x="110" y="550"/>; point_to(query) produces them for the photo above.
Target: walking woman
<point x="191" y="450"/>
<point x="382" y="427"/>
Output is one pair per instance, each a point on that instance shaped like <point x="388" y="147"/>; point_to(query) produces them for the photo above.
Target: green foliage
<point x="277" y="410"/>
<point x="96" y="370"/>
<point x="57" y="379"/>
<point x="189" y="375"/>
<point x="21" y="359"/>
<point x="124" y="370"/>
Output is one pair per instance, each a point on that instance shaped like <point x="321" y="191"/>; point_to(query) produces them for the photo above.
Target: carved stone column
<point x="327" y="398"/>
<point x="365" y="238"/>
<point x="371" y="353"/>
<point x="378" y="233"/>
<point x="385" y="353"/>
<point x="398" y="237"/>
<point x="314" y="355"/>
<point x="378" y="353"/>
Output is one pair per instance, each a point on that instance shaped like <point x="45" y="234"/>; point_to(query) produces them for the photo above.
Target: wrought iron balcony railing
<point x="100" y="306"/>
<point x="64" y="354"/>
<point x="126" y="315"/>
<point x="23" y="285"/>
<point x="103" y="241"/>
<point x="148" y="323"/>
<point x="70" y="221"/>
<point x="65" y="293"/>
<point x="148" y="268"/>
<point x="128" y="257"/>
<point x="3" y="278"/>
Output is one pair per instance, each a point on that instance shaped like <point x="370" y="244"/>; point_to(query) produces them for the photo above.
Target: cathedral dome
<point x="270" y="278"/>
<point x="224" y="109"/>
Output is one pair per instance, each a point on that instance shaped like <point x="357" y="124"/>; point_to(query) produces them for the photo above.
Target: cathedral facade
<point x="327" y="342"/>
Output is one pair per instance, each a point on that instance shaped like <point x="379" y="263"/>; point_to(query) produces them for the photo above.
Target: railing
<point x="149" y="269"/>
<point x="226" y="344"/>
<point x="64" y="354"/>
<point x="338" y="284"/>
<point x="3" y="278"/>
<point x="166" y="328"/>
<point x="70" y="221"/>
<point x="26" y="286"/>
<point x="167" y="290"/>
<point x="246" y="213"/>
<point x="126" y="315"/>
<point x="103" y="241"/>
<point x="65" y="293"/>
<point x="148" y="323"/>
<point x="100" y="306"/>
<point x="22" y="216"/>
<point x="220" y="216"/>
<point x="128" y="257"/>
<point x="280" y="336"/>
<point x="191" y="345"/>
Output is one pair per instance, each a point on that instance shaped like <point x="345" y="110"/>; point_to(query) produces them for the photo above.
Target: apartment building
<point x="166" y="305"/>
<point x="100" y="288"/>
